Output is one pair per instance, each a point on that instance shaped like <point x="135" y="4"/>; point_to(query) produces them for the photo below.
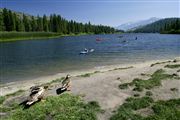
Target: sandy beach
<point x="104" y="73"/>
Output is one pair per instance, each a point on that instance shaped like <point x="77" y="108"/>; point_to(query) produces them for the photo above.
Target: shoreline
<point x="11" y="87"/>
<point x="56" y="35"/>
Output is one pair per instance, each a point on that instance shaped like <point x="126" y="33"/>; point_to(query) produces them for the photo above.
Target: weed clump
<point x="149" y="93"/>
<point x="172" y="66"/>
<point x="155" y="80"/>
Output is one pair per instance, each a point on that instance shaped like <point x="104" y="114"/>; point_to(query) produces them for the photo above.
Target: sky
<point x="105" y="12"/>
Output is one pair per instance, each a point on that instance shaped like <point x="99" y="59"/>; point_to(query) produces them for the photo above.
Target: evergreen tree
<point x="39" y="24"/>
<point x="27" y="24"/>
<point x="45" y="24"/>
<point x="2" y="27"/>
<point x="33" y="24"/>
<point x="12" y="23"/>
<point x="6" y="20"/>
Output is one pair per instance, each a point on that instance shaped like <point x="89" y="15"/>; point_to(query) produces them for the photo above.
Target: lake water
<point x="23" y="60"/>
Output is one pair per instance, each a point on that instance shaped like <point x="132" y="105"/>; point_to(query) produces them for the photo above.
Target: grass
<point x="157" y="63"/>
<point x="172" y="66"/>
<point x="89" y="74"/>
<point x="15" y="36"/>
<point x="85" y="75"/>
<point x="163" y="110"/>
<point x="15" y="93"/>
<point x="64" y="107"/>
<point x="123" y="68"/>
<point x="125" y="111"/>
<point x="174" y="89"/>
<point x="166" y="110"/>
<point x="149" y="93"/>
<point x="141" y="84"/>
<point x="136" y="95"/>
<point x="3" y="98"/>
<point x="123" y="86"/>
<point x="58" y="80"/>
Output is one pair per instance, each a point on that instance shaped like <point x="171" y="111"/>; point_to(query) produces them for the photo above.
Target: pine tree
<point x="39" y="24"/>
<point x="6" y="20"/>
<point x="33" y="24"/>
<point x="27" y="24"/>
<point x="2" y="27"/>
<point x="12" y="24"/>
<point x="45" y="23"/>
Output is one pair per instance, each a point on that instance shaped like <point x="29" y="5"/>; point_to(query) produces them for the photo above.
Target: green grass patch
<point x="123" y="86"/>
<point x="166" y="110"/>
<point x="125" y="111"/>
<point x="19" y="92"/>
<point x="14" y="36"/>
<point x="64" y="107"/>
<point x="86" y="75"/>
<point x="2" y="99"/>
<point x="57" y="80"/>
<point x="89" y="74"/>
<point x="157" y="63"/>
<point x="155" y="80"/>
<point x="149" y="93"/>
<point x="136" y="95"/>
<point x="172" y="66"/>
<point x="163" y="110"/>
<point x="122" y="68"/>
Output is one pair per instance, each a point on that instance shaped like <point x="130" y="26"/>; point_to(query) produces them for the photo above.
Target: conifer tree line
<point x="11" y="21"/>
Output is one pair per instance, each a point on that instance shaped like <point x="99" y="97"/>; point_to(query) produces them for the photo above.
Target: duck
<point x="36" y="94"/>
<point x="66" y="82"/>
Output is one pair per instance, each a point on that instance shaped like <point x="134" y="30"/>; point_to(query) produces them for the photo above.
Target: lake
<point x="23" y="60"/>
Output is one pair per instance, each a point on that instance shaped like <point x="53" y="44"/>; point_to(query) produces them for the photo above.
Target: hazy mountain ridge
<point x="135" y="25"/>
<point x="166" y="25"/>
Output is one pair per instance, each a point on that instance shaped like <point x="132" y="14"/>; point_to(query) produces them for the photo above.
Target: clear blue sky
<point x="106" y="12"/>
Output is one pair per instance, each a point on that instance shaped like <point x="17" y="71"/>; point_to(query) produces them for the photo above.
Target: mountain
<point x="133" y="25"/>
<point x="167" y="25"/>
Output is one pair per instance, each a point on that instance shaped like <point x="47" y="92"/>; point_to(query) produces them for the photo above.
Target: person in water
<point x="66" y="83"/>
